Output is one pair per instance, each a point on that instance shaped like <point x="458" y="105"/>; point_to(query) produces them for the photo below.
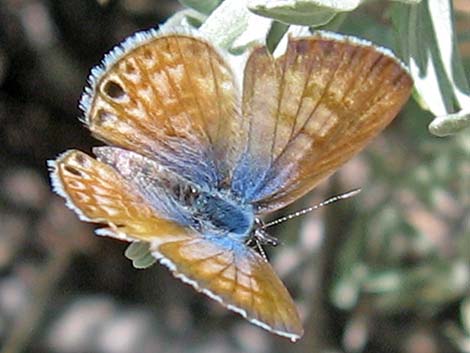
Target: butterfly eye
<point x="176" y="191"/>
<point x="113" y="90"/>
<point x="187" y="194"/>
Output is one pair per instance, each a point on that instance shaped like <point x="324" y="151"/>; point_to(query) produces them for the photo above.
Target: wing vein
<point x="312" y="114"/>
<point x="279" y="100"/>
<point x="218" y="98"/>
<point x="196" y="98"/>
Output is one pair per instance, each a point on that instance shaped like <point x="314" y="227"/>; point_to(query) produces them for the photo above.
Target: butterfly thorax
<point x="215" y="212"/>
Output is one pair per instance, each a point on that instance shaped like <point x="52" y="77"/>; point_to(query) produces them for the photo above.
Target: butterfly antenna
<point x="329" y="201"/>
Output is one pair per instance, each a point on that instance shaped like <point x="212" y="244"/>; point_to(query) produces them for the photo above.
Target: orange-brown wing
<point x="97" y="193"/>
<point x="236" y="276"/>
<point x="225" y="270"/>
<point x="169" y="97"/>
<point x="311" y="110"/>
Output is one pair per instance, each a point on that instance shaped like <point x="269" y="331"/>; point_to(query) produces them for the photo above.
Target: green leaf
<point x="139" y="253"/>
<point x="277" y="31"/>
<point x="144" y="262"/>
<point x="428" y="45"/>
<point x="232" y="22"/>
<point x="183" y="19"/>
<point x="302" y="12"/>
<point x="450" y="124"/>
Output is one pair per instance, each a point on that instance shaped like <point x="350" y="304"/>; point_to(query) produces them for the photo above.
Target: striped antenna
<point x="329" y="201"/>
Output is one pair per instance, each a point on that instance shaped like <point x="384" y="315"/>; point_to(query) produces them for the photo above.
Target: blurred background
<point x="387" y="271"/>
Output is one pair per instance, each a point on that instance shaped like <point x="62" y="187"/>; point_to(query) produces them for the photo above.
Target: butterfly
<point x="198" y="151"/>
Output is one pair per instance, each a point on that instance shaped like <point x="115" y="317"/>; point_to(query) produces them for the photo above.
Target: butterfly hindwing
<point x="236" y="276"/>
<point x="99" y="194"/>
<point x="223" y="269"/>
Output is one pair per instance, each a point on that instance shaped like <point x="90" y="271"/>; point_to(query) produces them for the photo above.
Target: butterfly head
<point x="261" y="236"/>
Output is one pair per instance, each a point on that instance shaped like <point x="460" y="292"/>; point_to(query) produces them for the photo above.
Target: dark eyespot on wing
<point x="113" y="89"/>
<point x="72" y="170"/>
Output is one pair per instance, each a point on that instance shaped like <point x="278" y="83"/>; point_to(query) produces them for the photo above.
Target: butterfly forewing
<point x="172" y="98"/>
<point x="334" y="96"/>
